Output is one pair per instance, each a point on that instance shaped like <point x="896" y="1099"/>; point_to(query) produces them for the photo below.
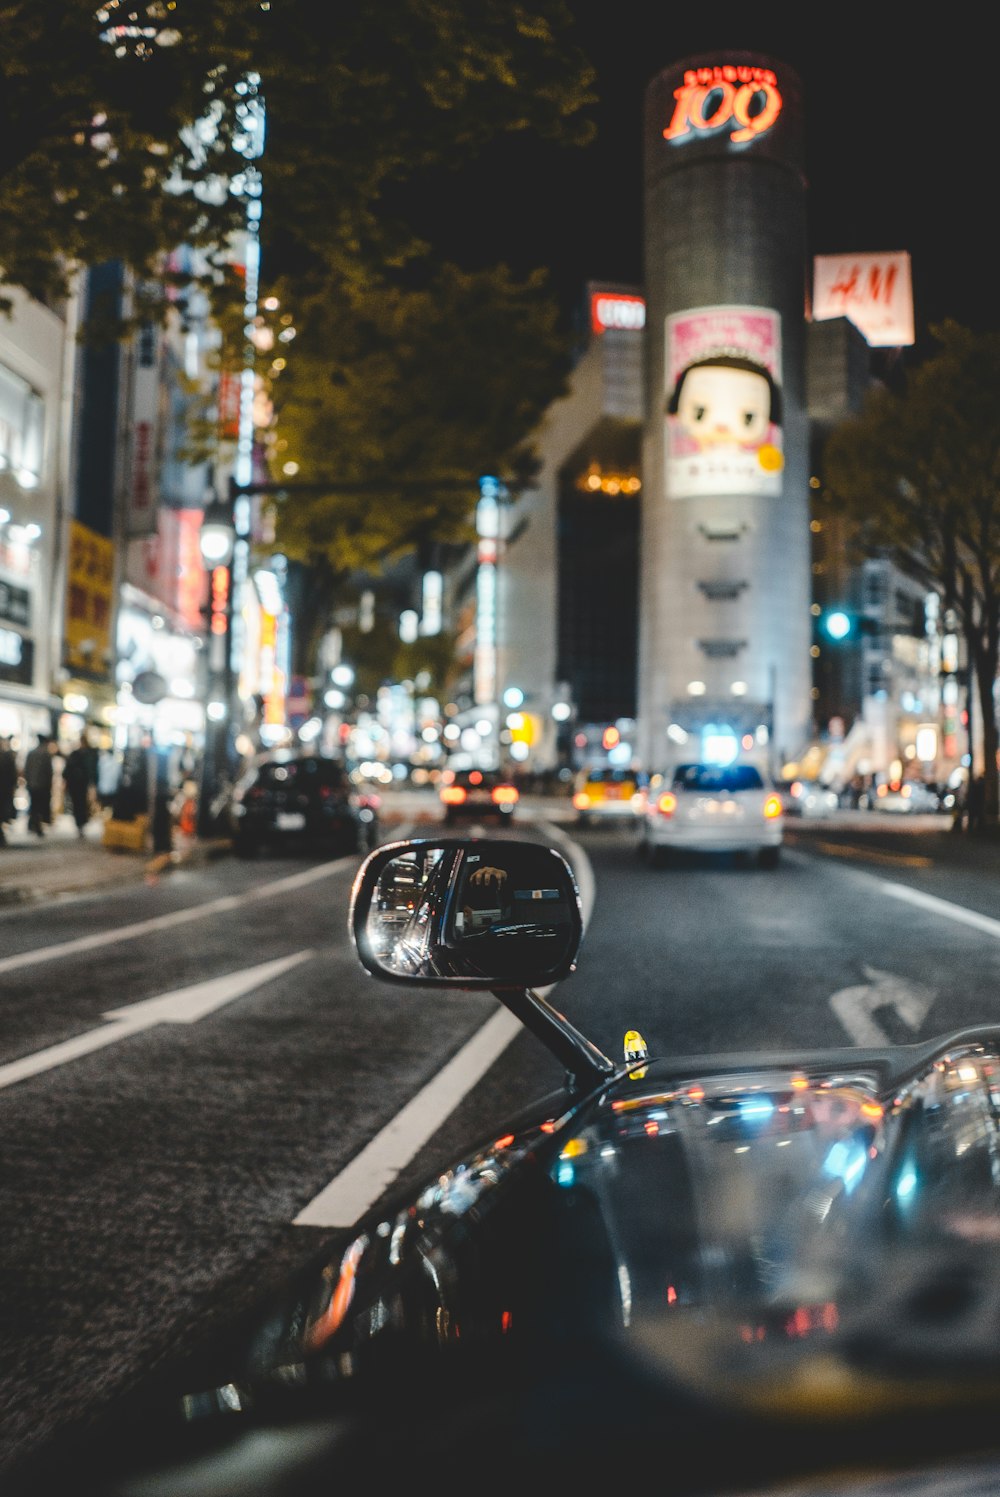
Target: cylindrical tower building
<point x="725" y="588"/>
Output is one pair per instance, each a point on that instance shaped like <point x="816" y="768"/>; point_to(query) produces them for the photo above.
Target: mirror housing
<point x="467" y="913"/>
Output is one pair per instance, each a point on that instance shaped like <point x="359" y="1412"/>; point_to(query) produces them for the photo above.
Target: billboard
<point x="90" y="578"/>
<point x="874" y="290"/>
<point x="723" y="402"/>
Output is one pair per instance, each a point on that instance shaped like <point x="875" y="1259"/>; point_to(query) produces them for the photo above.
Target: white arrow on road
<point x="855" y="1006"/>
<point x="183" y="1006"/>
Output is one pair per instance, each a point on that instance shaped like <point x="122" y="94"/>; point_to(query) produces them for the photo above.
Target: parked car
<point x="292" y="798"/>
<point x="711" y="808"/>
<point x="477" y="795"/>
<point x="807" y="798"/>
<point x="773" y="1273"/>
<point x="602" y="794"/>
<point x="906" y="797"/>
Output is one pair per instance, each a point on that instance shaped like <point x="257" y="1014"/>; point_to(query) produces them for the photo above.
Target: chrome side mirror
<point x="470" y="913"/>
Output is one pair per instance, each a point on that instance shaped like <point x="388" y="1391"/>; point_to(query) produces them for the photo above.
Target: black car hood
<point x="798" y="1256"/>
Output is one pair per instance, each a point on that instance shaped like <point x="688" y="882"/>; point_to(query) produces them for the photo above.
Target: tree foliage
<point x="918" y="473"/>
<point x="96" y="105"/>
<point x="411" y="393"/>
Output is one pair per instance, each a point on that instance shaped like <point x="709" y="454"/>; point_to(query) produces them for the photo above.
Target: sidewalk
<point x="33" y="868"/>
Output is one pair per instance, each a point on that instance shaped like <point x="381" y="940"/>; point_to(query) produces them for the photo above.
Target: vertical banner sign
<point x="140" y="491"/>
<point x="723" y="402"/>
<point x="90" y="577"/>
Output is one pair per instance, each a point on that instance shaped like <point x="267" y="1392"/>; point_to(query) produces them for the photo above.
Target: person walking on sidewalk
<point x="38" y="777"/>
<point x="78" y="777"/>
<point x="8" y="785"/>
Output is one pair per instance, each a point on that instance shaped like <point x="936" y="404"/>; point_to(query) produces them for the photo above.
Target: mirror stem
<point x="585" y="1064"/>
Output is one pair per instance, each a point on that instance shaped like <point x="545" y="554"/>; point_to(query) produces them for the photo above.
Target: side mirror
<point x="470" y="913"/>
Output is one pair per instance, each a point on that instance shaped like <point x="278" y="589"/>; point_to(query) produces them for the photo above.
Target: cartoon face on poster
<point x="723" y="402"/>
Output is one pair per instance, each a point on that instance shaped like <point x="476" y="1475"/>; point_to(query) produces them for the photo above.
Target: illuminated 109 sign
<point x="743" y="99"/>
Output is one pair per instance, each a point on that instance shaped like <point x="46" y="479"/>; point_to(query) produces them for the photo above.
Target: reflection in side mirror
<point x="467" y="913"/>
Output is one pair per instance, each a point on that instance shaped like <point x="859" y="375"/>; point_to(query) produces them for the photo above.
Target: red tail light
<point x="453" y="795"/>
<point x="772" y="807"/>
<point x="505" y="795"/>
<point x="667" y="803"/>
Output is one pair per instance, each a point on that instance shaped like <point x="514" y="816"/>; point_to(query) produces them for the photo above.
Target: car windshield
<point x="711" y="777"/>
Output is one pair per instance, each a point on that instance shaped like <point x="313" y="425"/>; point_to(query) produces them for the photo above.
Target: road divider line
<point x="943" y="907"/>
<point x="167" y="922"/>
<point x="869" y="854"/>
<point x="183" y="1006"/>
<point x="360" y="1184"/>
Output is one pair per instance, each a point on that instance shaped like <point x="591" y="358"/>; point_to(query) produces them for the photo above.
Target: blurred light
<point x="342" y="675"/>
<point x="216" y="712"/>
<point x="290" y="469"/>
<point x="696" y="688"/>
<point x="74" y="702"/>
<point x="513" y="697"/>
<point x="739" y="688"/>
<point x="926" y="744"/>
<point x="561" y="711"/>
<point x="610" y="737"/>
<point x="310" y="730"/>
<point x="519" y="751"/>
<point x="334" y="699"/>
<point x="772" y="807"/>
<point x="746" y="742"/>
<point x="484" y="727"/>
<point x="718" y="745"/>
<point x="837" y="625"/>
<point x="515" y="719"/>
<point x="906" y="1184"/>
<point x="756" y="1109"/>
<point x="182" y="688"/>
<point x="409" y="625"/>
<point x="676" y="733"/>
<point x="452" y="732"/>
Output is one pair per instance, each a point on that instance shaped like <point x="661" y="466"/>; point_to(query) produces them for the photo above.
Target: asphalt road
<point x="189" y="1070"/>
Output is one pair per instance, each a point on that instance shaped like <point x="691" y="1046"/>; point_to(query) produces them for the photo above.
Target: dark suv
<point x="301" y="799"/>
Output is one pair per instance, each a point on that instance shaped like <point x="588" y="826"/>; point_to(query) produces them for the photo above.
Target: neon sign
<point x="616" y="310"/>
<point x="712" y="99"/>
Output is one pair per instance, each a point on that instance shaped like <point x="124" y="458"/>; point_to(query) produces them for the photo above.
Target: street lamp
<point x="217" y="540"/>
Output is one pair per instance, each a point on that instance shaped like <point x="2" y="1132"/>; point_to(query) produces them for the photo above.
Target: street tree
<point x="411" y="391"/>
<point x="123" y="125"/>
<point x="917" y="472"/>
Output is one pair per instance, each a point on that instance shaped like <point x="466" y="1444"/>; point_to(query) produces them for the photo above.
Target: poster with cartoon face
<point x="723" y="402"/>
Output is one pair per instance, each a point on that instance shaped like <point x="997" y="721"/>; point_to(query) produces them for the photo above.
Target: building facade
<point x="725" y="624"/>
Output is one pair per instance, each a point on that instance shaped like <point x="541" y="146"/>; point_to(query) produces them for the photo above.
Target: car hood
<point x="801" y="1245"/>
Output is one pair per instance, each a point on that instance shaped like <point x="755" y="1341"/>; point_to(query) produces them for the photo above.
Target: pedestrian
<point x="78" y="777"/>
<point x="8" y="785"/>
<point x="38" y="777"/>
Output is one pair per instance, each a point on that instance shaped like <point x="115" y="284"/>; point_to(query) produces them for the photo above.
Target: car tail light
<point x="772" y="807"/>
<point x="505" y="795"/>
<point x="581" y="800"/>
<point x="453" y="795"/>
<point x="906" y="792"/>
<point x="667" y="803"/>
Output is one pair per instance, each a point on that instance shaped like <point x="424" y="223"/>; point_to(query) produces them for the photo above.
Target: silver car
<point x="711" y="808"/>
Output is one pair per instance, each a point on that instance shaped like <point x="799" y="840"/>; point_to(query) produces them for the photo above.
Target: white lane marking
<point x="855" y="1006"/>
<point x="942" y="907"/>
<point x="183" y="1006"/>
<point x="167" y="922"/>
<point x="349" y="1194"/>
<point x="358" y="1186"/>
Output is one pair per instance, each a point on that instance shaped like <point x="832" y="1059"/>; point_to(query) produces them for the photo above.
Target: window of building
<point x="22" y="413"/>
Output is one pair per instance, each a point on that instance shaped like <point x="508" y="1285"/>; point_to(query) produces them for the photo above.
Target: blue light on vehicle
<point x="565" y="1173"/>
<point x="756" y="1109"/>
<point x="719" y="744"/>
<point x="846" y="1161"/>
<point x="906" y="1184"/>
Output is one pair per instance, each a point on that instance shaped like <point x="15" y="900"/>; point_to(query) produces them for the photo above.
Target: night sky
<point x="901" y="141"/>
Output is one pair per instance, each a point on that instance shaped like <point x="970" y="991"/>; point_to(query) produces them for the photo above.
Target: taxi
<point x="603" y="794"/>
